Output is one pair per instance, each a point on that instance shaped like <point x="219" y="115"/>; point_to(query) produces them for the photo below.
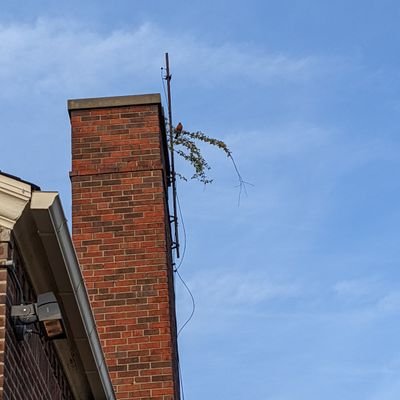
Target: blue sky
<point x="298" y="289"/>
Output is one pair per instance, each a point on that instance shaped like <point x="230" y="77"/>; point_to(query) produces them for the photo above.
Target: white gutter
<point x="52" y="227"/>
<point x="51" y="263"/>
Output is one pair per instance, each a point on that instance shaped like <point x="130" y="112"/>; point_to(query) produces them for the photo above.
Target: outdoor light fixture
<point x="46" y="311"/>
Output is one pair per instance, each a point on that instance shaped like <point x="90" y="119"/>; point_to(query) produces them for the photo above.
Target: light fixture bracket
<point x="46" y="310"/>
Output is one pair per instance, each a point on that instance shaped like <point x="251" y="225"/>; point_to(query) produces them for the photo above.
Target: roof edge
<point x="48" y="214"/>
<point x="14" y="196"/>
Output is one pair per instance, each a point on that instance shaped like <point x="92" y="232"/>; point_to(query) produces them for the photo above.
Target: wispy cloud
<point x="242" y="289"/>
<point x="368" y="299"/>
<point x="227" y="296"/>
<point x="291" y="139"/>
<point x="59" y="56"/>
<point x="389" y="304"/>
<point x="355" y="289"/>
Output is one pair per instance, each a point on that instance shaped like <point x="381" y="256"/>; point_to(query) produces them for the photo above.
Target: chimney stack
<point x="121" y="232"/>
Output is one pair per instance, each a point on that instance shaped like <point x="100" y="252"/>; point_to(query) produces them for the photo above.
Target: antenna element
<point x="171" y="147"/>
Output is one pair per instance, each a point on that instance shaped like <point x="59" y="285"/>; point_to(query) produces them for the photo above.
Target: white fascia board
<point x="52" y="226"/>
<point x="14" y="196"/>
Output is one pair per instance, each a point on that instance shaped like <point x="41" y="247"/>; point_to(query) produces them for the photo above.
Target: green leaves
<point x="184" y="144"/>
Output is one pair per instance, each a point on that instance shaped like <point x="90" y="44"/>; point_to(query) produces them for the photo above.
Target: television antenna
<point x="174" y="219"/>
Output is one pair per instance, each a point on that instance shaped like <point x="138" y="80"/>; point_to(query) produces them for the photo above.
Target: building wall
<point x="30" y="369"/>
<point x="121" y="235"/>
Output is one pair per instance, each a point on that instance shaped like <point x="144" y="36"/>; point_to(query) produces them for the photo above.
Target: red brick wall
<point x="121" y="234"/>
<point x="31" y="369"/>
<point x="4" y="256"/>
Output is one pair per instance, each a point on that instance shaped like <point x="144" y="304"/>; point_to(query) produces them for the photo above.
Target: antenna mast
<point x="171" y="147"/>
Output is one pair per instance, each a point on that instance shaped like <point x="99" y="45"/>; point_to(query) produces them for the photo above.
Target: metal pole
<point x="171" y="146"/>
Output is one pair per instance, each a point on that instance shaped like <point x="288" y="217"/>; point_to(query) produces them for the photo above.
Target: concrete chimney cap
<point x="116" y="101"/>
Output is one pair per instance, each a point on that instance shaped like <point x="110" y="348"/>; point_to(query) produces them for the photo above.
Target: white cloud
<point x="225" y="297"/>
<point x="355" y="288"/>
<point x="389" y="304"/>
<point x="291" y="139"/>
<point x="61" y="56"/>
<point x="370" y="298"/>
<point x="241" y="289"/>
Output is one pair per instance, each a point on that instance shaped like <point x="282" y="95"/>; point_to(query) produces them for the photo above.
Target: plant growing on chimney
<point x="184" y="144"/>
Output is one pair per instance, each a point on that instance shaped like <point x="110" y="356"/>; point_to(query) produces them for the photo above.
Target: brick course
<point x="122" y="239"/>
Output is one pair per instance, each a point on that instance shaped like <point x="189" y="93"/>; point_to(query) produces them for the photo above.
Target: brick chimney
<point x="120" y="228"/>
